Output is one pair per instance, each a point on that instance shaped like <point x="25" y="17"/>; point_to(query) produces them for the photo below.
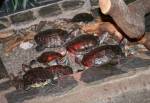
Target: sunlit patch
<point x="41" y="84"/>
<point x="99" y="61"/>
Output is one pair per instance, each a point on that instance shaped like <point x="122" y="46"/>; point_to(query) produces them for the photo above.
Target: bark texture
<point x="146" y="40"/>
<point x="100" y="27"/>
<point x="130" y="18"/>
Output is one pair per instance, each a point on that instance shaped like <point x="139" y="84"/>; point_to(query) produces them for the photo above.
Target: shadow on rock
<point x="99" y="73"/>
<point x="64" y="85"/>
<point x="134" y="63"/>
<point x="5" y="85"/>
<point x="19" y="96"/>
<point x="147" y="53"/>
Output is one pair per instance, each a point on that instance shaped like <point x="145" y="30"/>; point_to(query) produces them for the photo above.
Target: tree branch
<point x="129" y="18"/>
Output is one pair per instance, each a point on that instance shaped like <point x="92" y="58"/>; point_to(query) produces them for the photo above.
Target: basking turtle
<point x="82" y="17"/>
<point x="82" y="44"/>
<point x="34" y="77"/>
<point x="101" y="55"/>
<point x="60" y="70"/>
<point x="52" y="57"/>
<point x="50" y="38"/>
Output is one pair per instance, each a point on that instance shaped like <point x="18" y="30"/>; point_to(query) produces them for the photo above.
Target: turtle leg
<point x="40" y="48"/>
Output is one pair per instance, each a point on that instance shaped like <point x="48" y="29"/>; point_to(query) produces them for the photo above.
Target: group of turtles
<point x="86" y="49"/>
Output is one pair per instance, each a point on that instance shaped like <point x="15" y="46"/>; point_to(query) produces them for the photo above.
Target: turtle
<point x="33" y="78"/>
<point x="102" y="55"/>
<point x="50" y="38"/>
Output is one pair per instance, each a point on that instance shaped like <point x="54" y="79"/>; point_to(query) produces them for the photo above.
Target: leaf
<point x="24" y="4"/>
<point x="12" y="2"/>
<point x="15" y="4"/>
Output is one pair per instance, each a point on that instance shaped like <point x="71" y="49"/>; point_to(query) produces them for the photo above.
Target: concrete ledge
<point x="131" y="87"/>
<point x="105" y="92"/>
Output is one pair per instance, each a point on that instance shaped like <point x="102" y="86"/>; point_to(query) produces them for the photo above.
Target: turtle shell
<point x="50" y="38"/>
<point x="83" y="17"/>
<point x="60" y="69"/>
<point x="102" y="55"/>
<point x="82" y="43"/>
<point x="49" y="56"/>
<point x="36" y="75"/>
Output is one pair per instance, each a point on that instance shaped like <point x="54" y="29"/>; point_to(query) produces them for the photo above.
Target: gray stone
<point x="43" y="2"/>
<point x="100" y="73"/>
<point x="63" y="86"/>
<point x="134" y="63"/>
<point x="94" y="2"/>
<point x="19" y="96"/>
<point x="2" y="26"/>
<point x="5" y="21"/>
<point x="50" y="10"/>
<point x="5" y="85"/>
<point x="22" y="17"/>
<point x="72" y="4"/>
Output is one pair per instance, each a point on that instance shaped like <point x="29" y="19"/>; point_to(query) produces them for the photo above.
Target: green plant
<point x="13" y="5"/>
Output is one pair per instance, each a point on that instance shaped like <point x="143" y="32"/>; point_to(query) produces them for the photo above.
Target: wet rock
<point x="94" y="2"/>
<point x="99" y="73"/>
<point x="50" y="10"/>
<point x="22" y="17"/>
<point x="19" y="96"/>
<point x="64" y="85"/>
<point x="5" y="85"/>
<point x="2" y="26"/>
<point x="72" y="4"/>
<point x="134" y="63"/>
<point x="43" y="2"/>
<point x="4" y="23"/>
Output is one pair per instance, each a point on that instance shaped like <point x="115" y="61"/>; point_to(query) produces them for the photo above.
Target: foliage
<point x="14" y="5"/>
<point x="129" y="1"/>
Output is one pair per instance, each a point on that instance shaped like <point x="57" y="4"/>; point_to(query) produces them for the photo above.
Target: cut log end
<point x="130" y="19"/>
<point x="105" y="6"/>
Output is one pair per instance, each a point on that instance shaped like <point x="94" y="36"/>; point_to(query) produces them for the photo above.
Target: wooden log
<point x="16" y="41"/>
<point x="146" y="40"/>
<point x="99" y="27"/>
<point x="129" y="18"/>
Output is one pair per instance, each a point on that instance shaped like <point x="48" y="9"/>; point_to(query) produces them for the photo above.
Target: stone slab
<point x="50" y="10"/>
